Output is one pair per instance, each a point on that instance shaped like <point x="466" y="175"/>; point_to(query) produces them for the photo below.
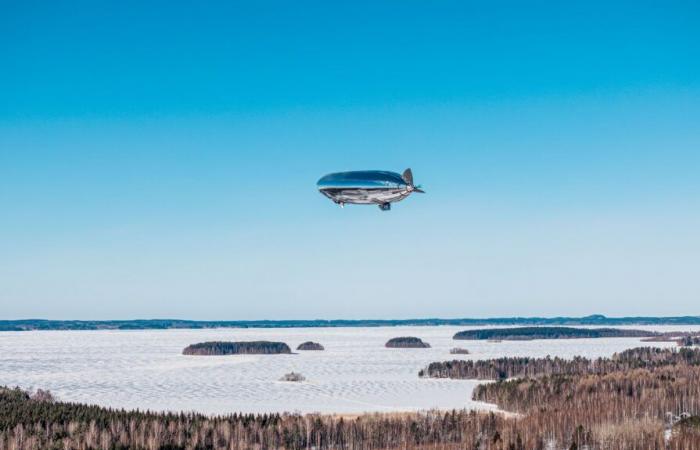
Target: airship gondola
<point x="368" y="187"/>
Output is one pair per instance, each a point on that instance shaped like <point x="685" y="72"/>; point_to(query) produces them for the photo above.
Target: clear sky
<point x="160" y="160"/>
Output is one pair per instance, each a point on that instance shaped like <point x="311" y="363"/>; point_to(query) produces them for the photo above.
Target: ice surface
<point x="356" y="373"/>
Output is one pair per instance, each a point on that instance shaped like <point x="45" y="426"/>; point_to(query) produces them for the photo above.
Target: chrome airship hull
<point x="368" y="187"/>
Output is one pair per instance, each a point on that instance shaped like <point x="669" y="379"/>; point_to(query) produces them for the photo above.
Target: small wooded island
<point x="293" y="377"/>
<point x="529" y="333"/>
<point x="406" y="342"/>
<point x="309" y="345"/>
<point x="237" y="348"/>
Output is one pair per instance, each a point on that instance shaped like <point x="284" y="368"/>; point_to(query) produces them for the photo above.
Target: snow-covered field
<point x="146" y="370"/>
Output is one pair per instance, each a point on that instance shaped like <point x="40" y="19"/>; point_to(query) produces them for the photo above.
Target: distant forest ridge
<point x="527" y="333"/>
<point x="159" y="324"/>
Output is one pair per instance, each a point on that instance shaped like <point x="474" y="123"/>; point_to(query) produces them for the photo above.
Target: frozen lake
<point x="356" y="373"/>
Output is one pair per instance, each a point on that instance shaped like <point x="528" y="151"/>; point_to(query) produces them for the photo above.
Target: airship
<point x="368" y="187"/>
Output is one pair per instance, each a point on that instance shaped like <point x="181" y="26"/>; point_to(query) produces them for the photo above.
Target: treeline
<point x="502" y="368"/>
<point x="237" y="348"/>
<point x="528" y="333"/>
<point x="143" y="324"/>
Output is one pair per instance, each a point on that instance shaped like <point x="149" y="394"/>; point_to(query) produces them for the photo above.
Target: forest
<point x="528" y="333"/>
<point x="639" y="399"/>
<point x="502" y="368"/>
<point x="237" y="348"/>
<point x="618" y="409"/>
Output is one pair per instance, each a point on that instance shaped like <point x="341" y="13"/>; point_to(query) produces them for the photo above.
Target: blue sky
<point x="160" y="160"/>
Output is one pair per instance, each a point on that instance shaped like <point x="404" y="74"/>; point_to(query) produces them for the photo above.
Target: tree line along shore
<point x="639" y="399"/>
<point x="530" y="333"/>
<point x="527" y="367"/>
<point x="159" y="324"/>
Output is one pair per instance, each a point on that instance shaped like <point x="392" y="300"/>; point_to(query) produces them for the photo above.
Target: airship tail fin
<point x="408" y="177"/>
